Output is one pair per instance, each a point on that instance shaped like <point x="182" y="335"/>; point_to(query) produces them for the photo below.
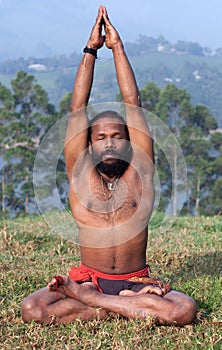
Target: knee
<point x="186" y="313"/>
<point x="31" y="311"/>
<point x="191" y="311"/>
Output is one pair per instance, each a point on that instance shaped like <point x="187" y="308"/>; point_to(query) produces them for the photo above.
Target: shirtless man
<point x="111" y="197"/>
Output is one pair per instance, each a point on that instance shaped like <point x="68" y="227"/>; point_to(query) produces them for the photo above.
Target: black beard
<point x="116" y="168"/>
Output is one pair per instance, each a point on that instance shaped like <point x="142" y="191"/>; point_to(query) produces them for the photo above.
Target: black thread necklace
<point x="110" y="185"/>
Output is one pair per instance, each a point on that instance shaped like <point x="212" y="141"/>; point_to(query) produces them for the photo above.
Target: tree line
<point x="11" y="66"/>
<point x="142" y="46"/>
<point x="26" y="115"/>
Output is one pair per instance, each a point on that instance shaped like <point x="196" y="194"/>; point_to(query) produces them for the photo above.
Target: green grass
<point x="188" y="255"/>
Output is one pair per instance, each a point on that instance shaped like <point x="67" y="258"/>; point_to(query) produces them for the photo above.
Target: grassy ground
<point x="189" y="255"/>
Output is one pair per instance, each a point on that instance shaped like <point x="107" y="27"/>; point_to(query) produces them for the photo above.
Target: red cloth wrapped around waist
<point x="84" y="273"/>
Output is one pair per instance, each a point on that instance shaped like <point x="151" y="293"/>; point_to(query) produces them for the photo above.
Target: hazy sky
<point x="31" y="27"/>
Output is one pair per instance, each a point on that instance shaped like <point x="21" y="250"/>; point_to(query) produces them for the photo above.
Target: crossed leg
<point x="51" y="307"/>
<point x="73" y="301"/>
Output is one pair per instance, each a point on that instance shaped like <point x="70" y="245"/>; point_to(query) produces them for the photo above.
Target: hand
<point x="96" y="39"/>
<point x="112" y="37"/>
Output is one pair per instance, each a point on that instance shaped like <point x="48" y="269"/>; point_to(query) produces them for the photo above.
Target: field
<point x="189" y="255"/>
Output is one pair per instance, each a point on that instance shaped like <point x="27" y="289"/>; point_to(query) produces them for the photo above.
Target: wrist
<point x="90" y="51"/>
<point x="118" y="47"/>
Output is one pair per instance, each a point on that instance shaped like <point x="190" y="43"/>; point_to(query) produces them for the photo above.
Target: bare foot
<point x="68" y="287"/>
<point x="127" y="293"/>
<point x="146" y="290"/>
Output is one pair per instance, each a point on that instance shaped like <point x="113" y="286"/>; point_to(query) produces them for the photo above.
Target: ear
<point x="90" y="148"/>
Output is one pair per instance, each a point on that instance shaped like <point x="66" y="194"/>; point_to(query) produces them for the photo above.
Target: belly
<point x="127" y="257"/>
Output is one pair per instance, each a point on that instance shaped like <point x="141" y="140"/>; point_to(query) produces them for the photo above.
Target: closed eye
<point x="100" y="137"/>
<point x="118" y="136"/>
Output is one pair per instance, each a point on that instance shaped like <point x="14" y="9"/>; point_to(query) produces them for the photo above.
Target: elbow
<point x="78" y="104"/>
<point x="133" y="100"/>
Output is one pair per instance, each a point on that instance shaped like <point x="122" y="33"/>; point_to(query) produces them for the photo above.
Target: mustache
<point x="109" y="152"/>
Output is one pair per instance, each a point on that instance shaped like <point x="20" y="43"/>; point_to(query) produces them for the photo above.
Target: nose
<point x="109" y="143"/>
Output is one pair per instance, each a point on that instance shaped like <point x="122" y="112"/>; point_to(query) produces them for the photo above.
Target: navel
<point x="89" y="205"/>
<point x="134" y="204"/>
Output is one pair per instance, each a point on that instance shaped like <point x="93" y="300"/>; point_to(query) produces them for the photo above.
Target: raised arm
<point x="76" y="136"/>
<point x="137" y="125"/>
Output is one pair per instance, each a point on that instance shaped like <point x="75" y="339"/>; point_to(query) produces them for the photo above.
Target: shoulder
<point x="142" y="163"/>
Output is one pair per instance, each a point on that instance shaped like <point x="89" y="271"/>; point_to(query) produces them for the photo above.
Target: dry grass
<point x="188" y="255"/>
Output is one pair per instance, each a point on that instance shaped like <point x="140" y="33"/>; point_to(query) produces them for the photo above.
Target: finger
<point x="105" y="16"/>
<point x="100" y="11"/>
<point x="99" y="17"/>
<point x="105" y="12"/>
<point x="107" y="24"/>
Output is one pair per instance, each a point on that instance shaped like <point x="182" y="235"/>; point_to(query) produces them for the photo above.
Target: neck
<point x="110" y="184"/>
<point x="107" y="178"/>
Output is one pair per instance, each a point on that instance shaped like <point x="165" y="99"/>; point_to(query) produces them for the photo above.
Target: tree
<point x="150" y="96"/>
<point x="203" y="119"/>
<point x="64" y="104"/>
<point x="191" y="125"/>
<point x="170" y="108"/>
<point x="23" y="114"/>
<point x="189" y="48"/>
<point x="7" y="104"/>
<point x="199" y="170"/>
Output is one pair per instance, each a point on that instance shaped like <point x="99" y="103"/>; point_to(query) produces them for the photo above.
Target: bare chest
<point x="93" y="202"/>
<point x="97" y="203"/>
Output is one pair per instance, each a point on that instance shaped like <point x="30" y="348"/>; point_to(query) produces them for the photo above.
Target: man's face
<point x="109" y="147"/>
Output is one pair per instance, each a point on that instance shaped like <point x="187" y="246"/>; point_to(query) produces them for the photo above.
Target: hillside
<point x="201" y="76"/>
<point x="186" y="65"/>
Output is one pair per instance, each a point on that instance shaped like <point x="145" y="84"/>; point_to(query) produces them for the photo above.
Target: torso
<point x="112" y="225"/>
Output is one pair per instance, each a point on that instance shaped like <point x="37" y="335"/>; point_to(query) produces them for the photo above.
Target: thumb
<point x="106" y="18"/>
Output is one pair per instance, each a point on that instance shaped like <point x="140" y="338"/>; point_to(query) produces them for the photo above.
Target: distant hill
<point x="184" y="64"/>
<point x="201" y="76"/>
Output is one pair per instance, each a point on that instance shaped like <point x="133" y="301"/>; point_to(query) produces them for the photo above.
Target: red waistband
<point x="84" y="273"/>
